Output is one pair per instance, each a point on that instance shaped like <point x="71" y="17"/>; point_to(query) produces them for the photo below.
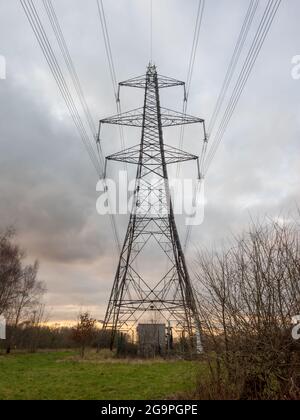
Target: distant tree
<point x="20" y="290"/>
<point x="28" y="296"/>
<point x="10" y="269"/>
<point x="84" y="331"/>
<point x="35" y="324"/>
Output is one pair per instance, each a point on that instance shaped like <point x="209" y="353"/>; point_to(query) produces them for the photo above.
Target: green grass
<point x="61" y="375"/>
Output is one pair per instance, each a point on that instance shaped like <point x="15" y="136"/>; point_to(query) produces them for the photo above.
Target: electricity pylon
<point x="169" y="294"/>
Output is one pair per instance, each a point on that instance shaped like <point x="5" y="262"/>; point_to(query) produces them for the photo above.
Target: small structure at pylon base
<point x="152" y="340"/>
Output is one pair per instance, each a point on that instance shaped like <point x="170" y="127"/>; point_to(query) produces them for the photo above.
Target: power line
<point x="197" y="191"/>
<point x="52" y="16"/>
<point x="102" y="17"/>
<point x="41" y="36"/>
<point x="111" y="65"/>
<point x="263" y="29"/>
<point x="199" y="19"/>
<point x="112" y="71"/>
<point x="251" y="11"/>
<point x="73" y="73"/>
<point x="230" y="72"/>
<point x="195" y="43"/>
<point x="261" y="34"/>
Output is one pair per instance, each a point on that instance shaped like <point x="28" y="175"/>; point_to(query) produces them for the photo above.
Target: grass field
<point x="62" y="375"/>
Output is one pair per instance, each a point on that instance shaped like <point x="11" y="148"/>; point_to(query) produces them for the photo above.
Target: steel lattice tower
<point x="152" y="217"/>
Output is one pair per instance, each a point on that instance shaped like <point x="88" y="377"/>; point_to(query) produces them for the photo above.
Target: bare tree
<point x="248" y="296"/>
<point x="28" y="297"/>
<point x="20" y="290"/>
<point x="10" y="269"/>
<point x="84" y="332"/>
<point x="37" y="318"/>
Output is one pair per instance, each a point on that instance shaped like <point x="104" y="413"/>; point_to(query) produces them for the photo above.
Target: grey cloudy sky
<point x="47" y="183"/>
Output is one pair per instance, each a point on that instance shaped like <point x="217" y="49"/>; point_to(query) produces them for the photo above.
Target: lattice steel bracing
<point x="152" y="222"/>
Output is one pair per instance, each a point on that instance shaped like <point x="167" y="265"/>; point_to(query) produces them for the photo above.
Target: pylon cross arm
<point x="162" y="82"/>
<point x="152" y="156"/>
<point x="168" y="118"/>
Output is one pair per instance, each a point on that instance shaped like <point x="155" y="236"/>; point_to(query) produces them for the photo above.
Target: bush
<point x="248" y="296"/>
